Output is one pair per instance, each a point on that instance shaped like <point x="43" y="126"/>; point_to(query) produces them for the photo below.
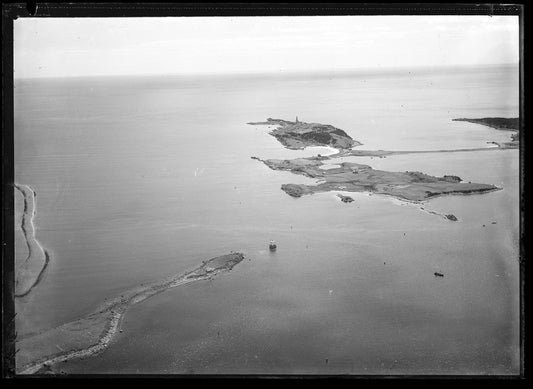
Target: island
<point x="498" y="123"/>
<point x="298" y="135"/>
<point x="451" y="217"/>
<point x="355" y="177"/>
<point x="411" y="186"/>
<point x="91" y="334"/>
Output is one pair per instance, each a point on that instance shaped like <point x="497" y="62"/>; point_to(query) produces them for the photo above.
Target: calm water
<point x="139" y="178"/>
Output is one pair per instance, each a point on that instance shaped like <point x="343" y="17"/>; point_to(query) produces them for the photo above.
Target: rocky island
<point x="91" y="334"/>
<point x="345" y="199"/>
<point x="298" y="135"/>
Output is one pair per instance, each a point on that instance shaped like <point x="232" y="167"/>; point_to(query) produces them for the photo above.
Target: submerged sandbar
<point x="93" y="333"/>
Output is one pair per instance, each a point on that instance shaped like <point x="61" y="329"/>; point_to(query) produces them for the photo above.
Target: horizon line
<point x="362" y="70"/>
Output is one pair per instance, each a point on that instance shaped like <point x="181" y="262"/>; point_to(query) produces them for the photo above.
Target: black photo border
<point x="12" y="11"/>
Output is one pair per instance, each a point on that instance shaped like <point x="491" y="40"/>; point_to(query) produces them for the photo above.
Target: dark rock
<point x="452" y="178"/>
<point x="292" y="190"/>
<point x="345" y="199"/>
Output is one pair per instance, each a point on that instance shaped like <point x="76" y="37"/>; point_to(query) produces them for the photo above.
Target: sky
<point x="71" y="47"/>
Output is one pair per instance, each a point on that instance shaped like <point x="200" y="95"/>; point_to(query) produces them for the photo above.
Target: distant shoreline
<point x="502" y="124"/>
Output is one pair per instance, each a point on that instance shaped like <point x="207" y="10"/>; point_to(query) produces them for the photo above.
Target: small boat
<point x="438" y="274"/>
<point x="272" y="246"/>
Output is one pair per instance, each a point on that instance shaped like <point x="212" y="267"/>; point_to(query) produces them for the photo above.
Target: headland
<point x="498" y="123"/>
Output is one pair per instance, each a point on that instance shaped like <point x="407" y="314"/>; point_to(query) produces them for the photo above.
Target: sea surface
<point x="139" y="178"/>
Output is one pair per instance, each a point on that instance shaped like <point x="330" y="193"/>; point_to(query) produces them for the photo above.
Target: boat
<point x="272" y="246"/>
<point x="439" y="274"/>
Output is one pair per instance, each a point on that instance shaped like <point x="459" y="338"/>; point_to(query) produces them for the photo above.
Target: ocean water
<point x="141" y="178"/>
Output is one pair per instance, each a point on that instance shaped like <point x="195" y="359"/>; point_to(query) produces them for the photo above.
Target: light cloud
<point x="55" y="47"/>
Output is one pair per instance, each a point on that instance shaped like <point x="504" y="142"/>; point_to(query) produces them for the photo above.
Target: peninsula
<point x="91" y="334"/>
<point x="298" y="135"/>
<point x="503" y="124"/>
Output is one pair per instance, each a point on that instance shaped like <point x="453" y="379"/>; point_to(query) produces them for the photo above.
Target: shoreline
<point x="501" y="124"/>
<point x="354" y="177"/>
<point x="420" y="205"/>
<point x="31" y="271"/>
<point x="77" y="340"/>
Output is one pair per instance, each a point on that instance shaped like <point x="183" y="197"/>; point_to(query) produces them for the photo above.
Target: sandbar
<point x="92" y="334"/>
<point x="31" y="270"/>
